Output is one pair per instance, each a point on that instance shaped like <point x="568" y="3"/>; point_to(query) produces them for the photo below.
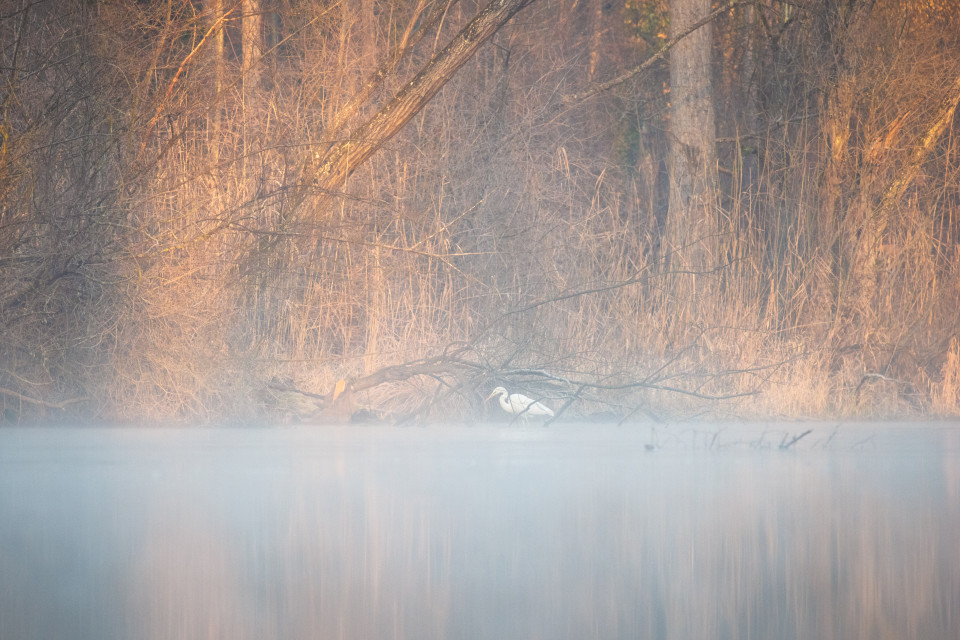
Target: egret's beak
<point x="491" y="395"/>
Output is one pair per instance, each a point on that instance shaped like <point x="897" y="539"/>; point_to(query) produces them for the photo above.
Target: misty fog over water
<point x="490" y="532"/>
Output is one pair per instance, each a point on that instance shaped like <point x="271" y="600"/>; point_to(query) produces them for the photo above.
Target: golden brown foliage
<point x="162" y="258"/>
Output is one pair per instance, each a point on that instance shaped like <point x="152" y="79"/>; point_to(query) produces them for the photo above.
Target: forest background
<point x="234" y="211"/>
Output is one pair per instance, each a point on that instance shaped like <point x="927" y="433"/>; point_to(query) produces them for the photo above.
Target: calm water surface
<point x="569" y="532"/>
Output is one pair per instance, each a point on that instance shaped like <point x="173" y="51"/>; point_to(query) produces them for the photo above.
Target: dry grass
<point x="154" y="270"/>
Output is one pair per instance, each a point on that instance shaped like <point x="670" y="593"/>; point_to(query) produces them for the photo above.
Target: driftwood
<point x="786" y="444"/>
<point x="458" y="374"/>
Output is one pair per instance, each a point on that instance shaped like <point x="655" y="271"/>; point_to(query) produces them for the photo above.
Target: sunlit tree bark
<point x="214" y="15"/>
<point x="691" y="231"/>
<point x="252" y="48"/>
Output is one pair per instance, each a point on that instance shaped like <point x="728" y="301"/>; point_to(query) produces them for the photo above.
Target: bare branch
<point x="63" y="404"/>
<point x="646" y="64"/>
<point x="344" y="157"/>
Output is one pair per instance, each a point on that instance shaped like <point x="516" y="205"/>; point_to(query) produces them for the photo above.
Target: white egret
<point x="520" y="405"/>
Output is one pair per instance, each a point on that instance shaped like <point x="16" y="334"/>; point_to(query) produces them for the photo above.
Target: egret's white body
<point x="520" y="405"/>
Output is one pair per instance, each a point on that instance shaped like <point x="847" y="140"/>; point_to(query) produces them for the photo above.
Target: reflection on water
<point x="480" y="533"/>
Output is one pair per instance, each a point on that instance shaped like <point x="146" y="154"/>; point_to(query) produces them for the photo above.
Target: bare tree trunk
<point x="369" y="33"/>
<point x="376" y="311"/>
<point x="691" y="230"/>
<point x="596" y="36"/>
<point x="252" y="48"/>
<point x="751" y="42"/>
<point x="836" y="24"/>
<point x="836" y="131"/>
<point x="214" y="14"/>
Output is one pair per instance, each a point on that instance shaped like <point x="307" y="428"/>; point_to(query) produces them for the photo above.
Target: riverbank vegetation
<point x="266" y="209"/>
